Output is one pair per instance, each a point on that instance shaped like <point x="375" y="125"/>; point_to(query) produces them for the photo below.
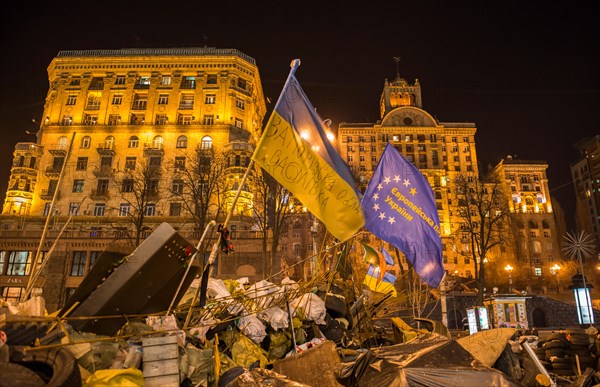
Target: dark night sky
<point x="525" y="72"/>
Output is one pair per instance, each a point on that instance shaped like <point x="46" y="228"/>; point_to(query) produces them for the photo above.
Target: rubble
<point x="288" y="334"/>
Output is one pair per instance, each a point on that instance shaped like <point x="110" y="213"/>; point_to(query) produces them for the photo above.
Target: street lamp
<point x="554" y="270"/>
<point x="509" y="270"/>
<point x="581" y="290"/>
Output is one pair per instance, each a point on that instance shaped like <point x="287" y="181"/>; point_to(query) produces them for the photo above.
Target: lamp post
<point x="509" y="270"/>
<point x="578" y="246"/>
<point x="554" y="270"/>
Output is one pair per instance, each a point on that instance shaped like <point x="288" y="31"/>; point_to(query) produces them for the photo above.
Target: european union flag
<point x="400" y="209"/>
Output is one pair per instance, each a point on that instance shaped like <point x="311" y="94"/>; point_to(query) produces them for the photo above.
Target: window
<point x="90" y="119"/>
<point x="124" y="209"/>
<point x="93" y="101"/>
<point x="241" y="83"/>
<point x="109" y="142"/>
<point x="182" y="142"/>
<point x="208" y="119"/>
<point x="150" y="210"/>
<point x="127" y="185"/>
<point x="206" y="143"/>
<point x="114" y="119"/>
<point x="185" y="119"/>
<point x="137" y="119"/>
<point x="134" y="142"/>
<point x="99" y="209"/>
<point x="75" y="81"/>
<point x="538" y="271"/>
<point x="240" y="104"/>
<point x="161" y="119"/>
<point x="187" y="101"/>
<point x="179" y="163"/>
<point x="130" y="163"/>
<point x="102" y="186"/>
<point x="188" y="82"/>
<point x="78" y="263"/>
<point x="144" y="82"/>
<point x="78" y="185"/>
<point x="81" y="163"/>
<point x="117" y="99"/>
<point x="165" y="80"/>
<point x="71" y="99"/>
<point x="177" y="186"/>
<point x="73" y="208"/>
<point x="211" y="79"/>
<point x="120" y="80"/>
<point x="86" y="141"/>
<point x="175" y="209"/>
<point x="140" y="101"/>
<point x="239" y="123"/>
<point x="157" y="143"/>
<point x="19" y="263"/>
<point x="163" y="99"/>
<point x="210" y="99"/>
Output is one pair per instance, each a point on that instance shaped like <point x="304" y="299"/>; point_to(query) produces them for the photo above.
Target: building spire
<point x="397" y="60"/>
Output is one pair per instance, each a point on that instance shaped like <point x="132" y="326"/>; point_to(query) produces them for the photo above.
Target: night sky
<point x="525" y="72"/>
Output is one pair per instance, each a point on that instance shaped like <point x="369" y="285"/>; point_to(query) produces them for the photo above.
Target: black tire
<point x="554" y="344"/>
<point x="56" y="366"/>
<point x="15" y="375"/>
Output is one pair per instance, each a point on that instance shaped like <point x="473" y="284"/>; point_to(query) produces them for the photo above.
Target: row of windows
<point x="134" y="142"/>
<point x="100" y="209"/>
<point x="187" y="82"/>
<point x="159" y="119"/>
<point x="140" y="101"/>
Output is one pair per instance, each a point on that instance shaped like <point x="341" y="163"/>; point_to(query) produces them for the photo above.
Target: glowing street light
<point x="554" y="270"/>
<point x="578" y="245"/>
<point x="509" y="270"/>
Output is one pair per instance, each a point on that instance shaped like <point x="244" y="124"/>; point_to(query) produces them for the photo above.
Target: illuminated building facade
<point x="586" y="181"/>
<point x="441" y="151"/>
<point x="107" y="112"/>
<point x="534" y="246"/>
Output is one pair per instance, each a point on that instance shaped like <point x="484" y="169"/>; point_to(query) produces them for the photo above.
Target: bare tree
<point x="274" y="206"/>
<point x="484" y="214"/>
<point x="140" y="187"/>
<point x="199" y="183"/>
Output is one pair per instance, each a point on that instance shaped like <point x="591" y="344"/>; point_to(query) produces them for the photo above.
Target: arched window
<point x="182" y="142"/>
<point x="85" y="141"/>
<point x="157" y="142"/>
<point x="109" y="142"/>
<point x="62" y="142"/>
<point x="529" y="201"/>
<point x="532" y="224"/>
<point x="134" y="142"/>
<point x="206" y="142"/>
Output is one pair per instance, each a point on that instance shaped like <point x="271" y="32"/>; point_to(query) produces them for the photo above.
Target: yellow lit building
<point x="441" y="151"/>
<point x="106" y="111"/>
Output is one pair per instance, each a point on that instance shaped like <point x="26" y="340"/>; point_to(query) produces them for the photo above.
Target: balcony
<point x="153" y="149"/>
<point x="29" y="147"/>
<point x="186" y="106"/>
<point x="48" y="194"/>
<point x="104" y="171"/>
<point x="93" y="106"/>
<point x="58" y="149"/>
<point x="139" y="105"/>
<point x="188" y="85"/>
<point x="99" y="194"/>
<point x="24" y="171"/>
<point x="106" y="148"/>
<point x="141" y="86"/>
<point x="53" y="170"/>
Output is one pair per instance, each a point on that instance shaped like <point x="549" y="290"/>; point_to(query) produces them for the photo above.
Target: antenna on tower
<point x="397" y="60"/>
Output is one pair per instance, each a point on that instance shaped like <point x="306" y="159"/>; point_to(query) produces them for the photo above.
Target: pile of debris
<point x="129" y="324"/>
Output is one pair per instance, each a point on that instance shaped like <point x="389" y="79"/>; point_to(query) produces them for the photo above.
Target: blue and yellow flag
<point x="295" y="150"/>
<point x="377" y="278"/>
<point x="400" y="209"/>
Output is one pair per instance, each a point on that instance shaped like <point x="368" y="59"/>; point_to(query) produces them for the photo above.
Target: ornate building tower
<point x="441" y="150"/>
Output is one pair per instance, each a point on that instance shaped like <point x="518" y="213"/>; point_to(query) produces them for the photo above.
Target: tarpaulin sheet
<point x="428" y="361"/>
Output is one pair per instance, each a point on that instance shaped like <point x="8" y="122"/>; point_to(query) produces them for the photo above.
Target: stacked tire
<point x="579" y="349"/>
<point x="556" y="354"/>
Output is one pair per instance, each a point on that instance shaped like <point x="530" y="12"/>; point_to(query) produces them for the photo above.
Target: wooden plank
<point x="162" y="381"/>
<point x="150" y="341"/>
<point x="162" y="352"/>
<point x="160" y="368"/>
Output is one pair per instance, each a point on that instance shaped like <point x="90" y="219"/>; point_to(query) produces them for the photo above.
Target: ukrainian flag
<point x="377" y="278"/>
<point x="296" y="151"/>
